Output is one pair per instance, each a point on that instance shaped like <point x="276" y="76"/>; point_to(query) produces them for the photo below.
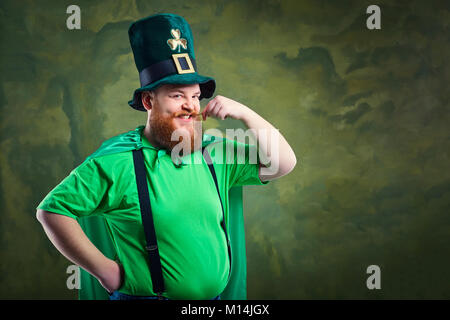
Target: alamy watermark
<point x="235" y="147"/>
<point x="374" y="280"/>
<point x="73" y="280"/>
<point x="374" y="20"/>
<point x="74" y="20"/>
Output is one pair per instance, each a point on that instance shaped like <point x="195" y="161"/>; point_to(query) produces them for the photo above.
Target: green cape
<point x="95" y="228"/>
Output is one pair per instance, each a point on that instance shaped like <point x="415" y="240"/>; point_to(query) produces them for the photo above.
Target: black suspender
<point x="213" y="173"/>
<point x="147" y="221"/>
<point x="147" y="218"/>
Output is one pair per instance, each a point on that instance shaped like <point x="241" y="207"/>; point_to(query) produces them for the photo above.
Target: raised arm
<point x="272" y="146"/>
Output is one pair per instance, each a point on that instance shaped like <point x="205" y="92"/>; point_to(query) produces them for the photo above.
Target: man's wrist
<point x="111" y="277"/>
<point x="105" y="268"/>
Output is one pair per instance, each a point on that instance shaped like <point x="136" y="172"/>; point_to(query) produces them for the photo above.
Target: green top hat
<point x="163" y="49"/>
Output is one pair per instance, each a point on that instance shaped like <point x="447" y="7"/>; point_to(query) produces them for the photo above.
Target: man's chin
<point x="189" y="143"/>
<point x="180" y="137"/>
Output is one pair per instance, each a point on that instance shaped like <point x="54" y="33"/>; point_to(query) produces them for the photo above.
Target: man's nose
<point x="191" y="105"/>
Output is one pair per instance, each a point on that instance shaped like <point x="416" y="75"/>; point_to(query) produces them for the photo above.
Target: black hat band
<point x="167" y="67"/>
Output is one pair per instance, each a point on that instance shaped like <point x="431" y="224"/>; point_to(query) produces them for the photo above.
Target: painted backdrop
<point x="366" y="112"/>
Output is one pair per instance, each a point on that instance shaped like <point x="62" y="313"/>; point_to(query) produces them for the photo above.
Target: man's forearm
<point x="271" y="145"/>
<point x="67" y="236"/>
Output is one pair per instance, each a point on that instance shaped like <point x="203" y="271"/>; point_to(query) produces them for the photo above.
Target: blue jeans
<point x="116" y="295"/>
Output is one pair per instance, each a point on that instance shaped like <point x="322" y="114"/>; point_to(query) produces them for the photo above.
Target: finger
<point x="203" y="115"/>
<point x="206" y="110"/>
<point x="222" y="113"/>
<point x="211" y="107"/>
<point x="215" y="109"/>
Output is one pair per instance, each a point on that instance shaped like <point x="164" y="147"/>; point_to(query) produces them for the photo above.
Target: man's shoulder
<point x="127" y="141"/>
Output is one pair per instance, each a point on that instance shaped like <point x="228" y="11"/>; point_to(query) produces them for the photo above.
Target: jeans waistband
<point x="116" y="295"/>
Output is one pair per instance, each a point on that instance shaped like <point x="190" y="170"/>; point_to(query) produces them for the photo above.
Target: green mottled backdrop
<point x="366" y="112"/>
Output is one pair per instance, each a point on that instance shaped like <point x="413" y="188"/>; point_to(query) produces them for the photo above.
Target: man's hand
<point x="111" y="277"/>
<point x="222" y="107"/>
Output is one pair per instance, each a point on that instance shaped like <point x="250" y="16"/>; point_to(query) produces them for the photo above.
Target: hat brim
<point x="207" y="87"/>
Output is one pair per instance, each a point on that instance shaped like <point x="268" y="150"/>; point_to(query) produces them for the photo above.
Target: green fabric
<point x="193" y="255"/>
<point x="154" y="31"/>
<point x="149" y="41"/>
<point x="94" y="227"/>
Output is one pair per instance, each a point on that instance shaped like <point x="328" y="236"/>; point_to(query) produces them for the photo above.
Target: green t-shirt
<point x="186" y="212"/>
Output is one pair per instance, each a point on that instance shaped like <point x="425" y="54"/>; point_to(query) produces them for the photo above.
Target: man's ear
<point x="147" y="99"/>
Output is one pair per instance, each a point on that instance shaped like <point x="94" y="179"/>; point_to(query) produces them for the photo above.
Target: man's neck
<point x="148" y="135"/>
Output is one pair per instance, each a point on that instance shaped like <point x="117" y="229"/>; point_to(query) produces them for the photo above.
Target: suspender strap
<point x="213" y="173"/>
<point x="147" y="221"/>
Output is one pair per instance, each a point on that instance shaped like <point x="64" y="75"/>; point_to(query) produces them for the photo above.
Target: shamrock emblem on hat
<point x="176" y="42"/>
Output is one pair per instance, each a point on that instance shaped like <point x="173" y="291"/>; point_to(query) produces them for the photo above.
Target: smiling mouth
<point x="187" y="117"/>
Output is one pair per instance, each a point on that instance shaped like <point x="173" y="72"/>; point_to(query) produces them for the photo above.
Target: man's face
<point x="175" y="117"/>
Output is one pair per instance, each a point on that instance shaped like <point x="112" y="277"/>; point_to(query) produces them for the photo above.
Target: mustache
<point x="195" y="115"/>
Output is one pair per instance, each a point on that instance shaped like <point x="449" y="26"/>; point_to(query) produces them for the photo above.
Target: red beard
<point x="168" y="135"/>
